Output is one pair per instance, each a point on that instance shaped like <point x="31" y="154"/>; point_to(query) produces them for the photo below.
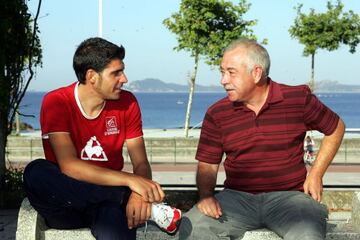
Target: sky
<point x="137" y="25"/>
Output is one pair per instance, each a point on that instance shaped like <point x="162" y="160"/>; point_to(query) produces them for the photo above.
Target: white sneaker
<point x="166" y="217"/>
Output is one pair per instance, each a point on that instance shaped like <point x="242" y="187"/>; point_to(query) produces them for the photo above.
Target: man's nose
<point x="224" y="79"/>
<point x="123" y="78"/>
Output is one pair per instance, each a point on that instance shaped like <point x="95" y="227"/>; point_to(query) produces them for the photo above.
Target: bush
<point x="13" y="192"/>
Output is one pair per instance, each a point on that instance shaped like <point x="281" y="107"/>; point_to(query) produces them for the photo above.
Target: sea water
<point x="168" y="110"/>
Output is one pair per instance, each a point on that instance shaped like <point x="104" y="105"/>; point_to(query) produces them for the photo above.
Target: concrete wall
<point x="161" y="150"/>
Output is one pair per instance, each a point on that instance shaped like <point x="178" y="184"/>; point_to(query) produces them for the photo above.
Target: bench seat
<point x="31" y="226"/>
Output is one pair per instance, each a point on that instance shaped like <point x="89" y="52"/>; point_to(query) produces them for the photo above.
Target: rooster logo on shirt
<point x="93" y="151"/>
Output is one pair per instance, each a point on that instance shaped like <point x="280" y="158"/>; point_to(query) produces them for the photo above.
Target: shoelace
<point x="165" y="218"/>
<point x="145" y="230"/>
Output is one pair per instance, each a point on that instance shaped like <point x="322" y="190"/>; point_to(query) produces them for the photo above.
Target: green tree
<point x="325" y="31"/>
<point x="205" y="28"/>
<point x="20" y="53"/>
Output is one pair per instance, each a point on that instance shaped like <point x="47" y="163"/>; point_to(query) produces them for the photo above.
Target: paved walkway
<point x="185" y="174"/>
<point x="8" y="221"/>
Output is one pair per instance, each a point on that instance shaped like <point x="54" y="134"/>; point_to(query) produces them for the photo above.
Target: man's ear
<point x="257" y="73"/>
<point x="91" y="75"/>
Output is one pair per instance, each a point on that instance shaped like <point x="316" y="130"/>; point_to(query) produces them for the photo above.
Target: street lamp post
<point x="100" y="18"/>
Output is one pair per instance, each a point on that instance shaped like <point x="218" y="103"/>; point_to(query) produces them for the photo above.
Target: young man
<point x="261" y="126"/>
<point x="84" y="127"/>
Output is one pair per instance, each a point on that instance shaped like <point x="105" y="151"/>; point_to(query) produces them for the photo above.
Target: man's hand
<point x="150" y="191"/>
<point x="210" y="207"/>
<point x="313" y="186"/>
<point x="206" y="181"/>
<point x="137" y="210"/>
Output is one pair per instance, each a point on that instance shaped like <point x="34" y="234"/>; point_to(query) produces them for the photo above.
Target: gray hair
<point x="256" y="54"/>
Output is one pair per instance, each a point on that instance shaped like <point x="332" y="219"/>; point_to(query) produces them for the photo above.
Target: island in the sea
<point x="156" y="85"/>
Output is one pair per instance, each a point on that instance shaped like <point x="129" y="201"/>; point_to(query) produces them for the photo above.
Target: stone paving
<point x="8" y="221"/>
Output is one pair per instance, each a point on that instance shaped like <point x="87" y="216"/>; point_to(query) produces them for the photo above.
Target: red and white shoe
<point x="166" y="217"/>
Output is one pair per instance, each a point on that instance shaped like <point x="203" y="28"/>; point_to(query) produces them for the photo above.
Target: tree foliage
<point x="326" y="30"/>
<point x="205" y="28"/>
<point x="20" y="53"/>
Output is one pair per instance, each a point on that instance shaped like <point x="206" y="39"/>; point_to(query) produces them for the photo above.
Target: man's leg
<point x="240" y="214"/>
<point x="63" y="201"/>
<point x="110" y="223"/>
<point x="294" y="215"/>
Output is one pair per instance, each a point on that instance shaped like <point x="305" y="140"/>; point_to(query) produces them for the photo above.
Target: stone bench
<point x="31" y="226"/>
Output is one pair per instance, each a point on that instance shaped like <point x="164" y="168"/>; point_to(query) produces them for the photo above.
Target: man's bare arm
<point x="328" y="148"/>
<point x="206" y="181"/>
<point x="206" y="178"/>
<point x="141" y="166"/>
<point x="76" y="168"/>
<point x="137" y="152"/>
<point x="138" y="210"/>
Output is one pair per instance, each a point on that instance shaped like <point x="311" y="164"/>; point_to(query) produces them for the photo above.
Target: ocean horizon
<point x="167" y="110"/>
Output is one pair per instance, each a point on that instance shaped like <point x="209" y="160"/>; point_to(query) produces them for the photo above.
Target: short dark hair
<point x="95" y="53"/>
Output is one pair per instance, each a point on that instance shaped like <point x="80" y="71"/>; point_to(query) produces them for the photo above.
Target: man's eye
<point x="117" y="74"/>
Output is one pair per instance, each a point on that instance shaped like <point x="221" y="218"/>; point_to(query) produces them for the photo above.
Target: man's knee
<point x="196" y="225"/>
<point x="42" y="185"/>
<point x="36" y="169"/>
<point x="32" y="175"/>
<point x="296" y="216"/>
<point x="30" y="167"/>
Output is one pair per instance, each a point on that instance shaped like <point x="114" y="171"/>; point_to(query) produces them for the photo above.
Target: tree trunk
<point x="18" y="58"/>
<point x="3" y="138"/>
<point x="17" y="123"/>
<point x="191" y="94"/>
<point x="312" y="79"/>
<point x="4" y="106"/>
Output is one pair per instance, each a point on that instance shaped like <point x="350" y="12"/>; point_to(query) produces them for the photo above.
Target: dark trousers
<point x="66" y="203"/>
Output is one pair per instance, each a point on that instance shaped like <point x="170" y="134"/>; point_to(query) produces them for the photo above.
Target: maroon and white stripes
<point x="264" y="152"/>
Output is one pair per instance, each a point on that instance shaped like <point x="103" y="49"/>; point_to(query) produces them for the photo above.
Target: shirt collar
<point x="275" y="95"/>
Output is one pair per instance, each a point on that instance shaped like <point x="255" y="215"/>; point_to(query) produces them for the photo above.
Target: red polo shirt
<point x="265" y="152"/>
<point x="97" y="140"/>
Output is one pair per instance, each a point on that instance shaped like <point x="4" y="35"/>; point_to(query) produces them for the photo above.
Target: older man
<point x="260" y="126"/>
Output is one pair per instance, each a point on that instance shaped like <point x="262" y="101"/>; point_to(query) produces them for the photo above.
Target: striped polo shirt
<point x="264" y="152"/>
